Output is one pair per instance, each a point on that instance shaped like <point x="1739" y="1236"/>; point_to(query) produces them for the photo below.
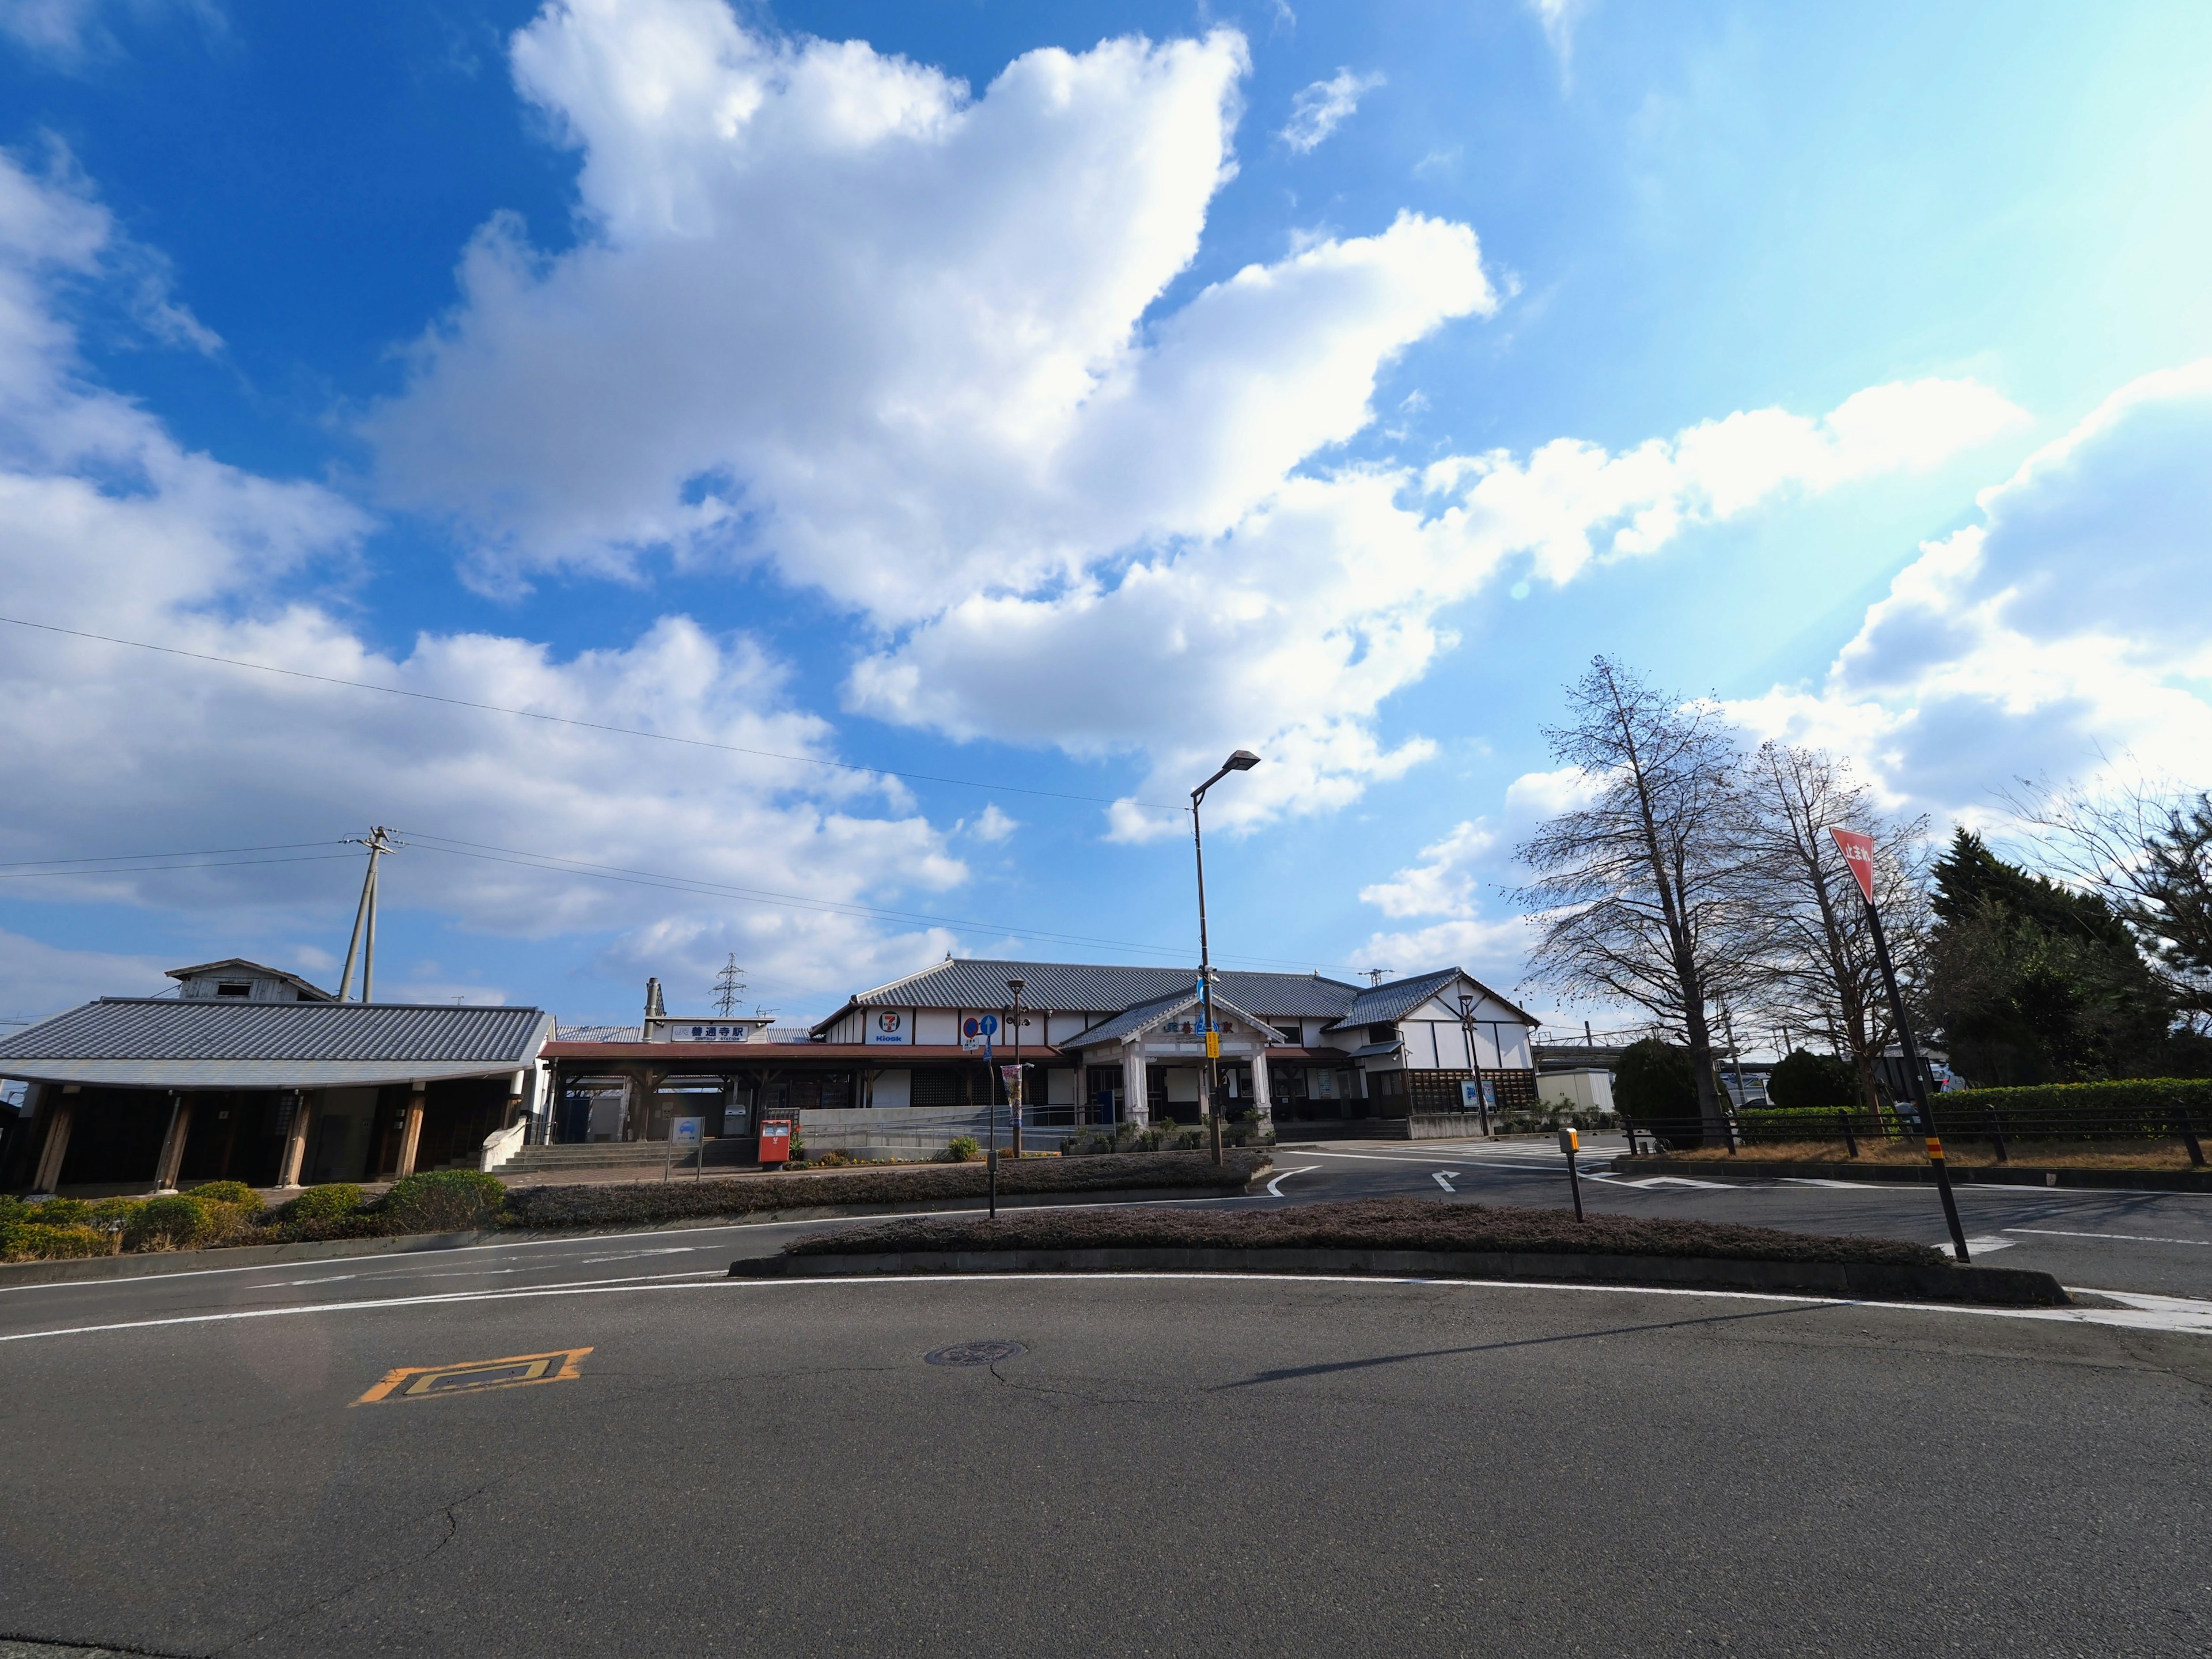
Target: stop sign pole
<point x="1859" y="854"/>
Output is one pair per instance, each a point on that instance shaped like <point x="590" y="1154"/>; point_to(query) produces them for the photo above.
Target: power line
<point x="192" y="853"/>
<point x="589" y="725"/>
<point x="147" y="869"/>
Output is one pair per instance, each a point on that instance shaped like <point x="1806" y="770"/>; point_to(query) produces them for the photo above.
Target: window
<point x="234" y="987"/>
<point x="1381" y="1034"/>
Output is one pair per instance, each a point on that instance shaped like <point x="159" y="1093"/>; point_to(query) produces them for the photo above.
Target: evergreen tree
<point x="2030" y="981"/>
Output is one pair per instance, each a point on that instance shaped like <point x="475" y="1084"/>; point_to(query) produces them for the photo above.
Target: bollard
<point x="1850" y="1140"/>
<point x="1569" y="1141"/>
<point x="1997" y="1134"/>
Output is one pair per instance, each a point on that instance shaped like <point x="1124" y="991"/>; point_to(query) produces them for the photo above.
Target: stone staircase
<point x="646" y="1157"/>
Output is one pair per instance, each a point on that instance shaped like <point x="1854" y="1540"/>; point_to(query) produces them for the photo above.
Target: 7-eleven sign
<point x="1858" y="853"/>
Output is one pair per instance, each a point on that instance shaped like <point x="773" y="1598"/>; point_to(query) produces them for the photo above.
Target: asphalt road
<point x="1170" y="1466"/>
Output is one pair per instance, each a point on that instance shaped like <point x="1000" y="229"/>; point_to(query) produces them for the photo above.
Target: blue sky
<point x="1052" y="397"/>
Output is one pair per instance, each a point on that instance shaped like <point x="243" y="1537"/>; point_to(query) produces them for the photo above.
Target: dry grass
<point x="1958" y="1151"/>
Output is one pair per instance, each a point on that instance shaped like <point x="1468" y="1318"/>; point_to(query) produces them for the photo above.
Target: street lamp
<point x="1244" y="760"/>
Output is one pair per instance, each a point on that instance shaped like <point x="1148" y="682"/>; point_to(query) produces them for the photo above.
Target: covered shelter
<point x="271" y="1084"/>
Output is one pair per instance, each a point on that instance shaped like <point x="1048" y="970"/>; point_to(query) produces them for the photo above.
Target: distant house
<point x="250" y="1073"/>
<point x="1104" y="1043"/>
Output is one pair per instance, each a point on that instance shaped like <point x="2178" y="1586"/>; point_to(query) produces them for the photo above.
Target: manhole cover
<point x="975" y="1353"/>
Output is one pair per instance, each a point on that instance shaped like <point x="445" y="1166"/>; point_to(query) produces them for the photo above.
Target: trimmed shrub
<point x="901" y="1184"/>
<point x="2146" y="1106"/>
<point x="115" y="1215"/>
<point x="28" y="1241"/>
<point x="442" y="1201"/>
<point x="59" y="1212"/>
<point x="174" y="1221"/>
<point x="963" y="1149"/>
<point x="324" y="1203"/>
<point x="228" y="1191"/>
<point x="1653" y="1083"/>
<point x="1805" y="1081"/>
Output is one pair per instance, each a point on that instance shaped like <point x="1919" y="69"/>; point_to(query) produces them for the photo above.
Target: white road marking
<point x="1811" y="1181"/>
<point x="1984" y="1246"/>
<point x="631" y="1255"/>
<point x="327" y="1279"/>
<point x="2129" y="1238"/>
<point x="1439" y="1177"/>
<point x="1668" y="1180"/>
<point x="2141" y="1311"/>
<point x="1275" y="1186"/>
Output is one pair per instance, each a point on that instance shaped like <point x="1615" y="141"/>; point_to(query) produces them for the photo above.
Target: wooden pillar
<point x="61" y="1117"/>
<point x="515" y="1099"/>
<point x="304" y="1111"/>
<point x="411" y="1133"/>
<point x="173" y="1144"/>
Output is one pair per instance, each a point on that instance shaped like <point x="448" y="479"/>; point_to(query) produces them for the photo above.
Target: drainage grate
<point x="975" y="1353"/>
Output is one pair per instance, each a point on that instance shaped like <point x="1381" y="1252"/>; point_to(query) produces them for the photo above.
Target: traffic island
<point x="1411" y="1237"/>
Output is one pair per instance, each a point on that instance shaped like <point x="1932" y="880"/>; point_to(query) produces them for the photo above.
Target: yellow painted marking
<point x="476" y="1376"/>
<point x="1935" y="1149"/>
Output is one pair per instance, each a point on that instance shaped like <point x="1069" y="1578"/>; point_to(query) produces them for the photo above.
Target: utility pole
<point x="379" y="843"/>
<point x="1473" y="1059"/>
<point x="1858" y="849"/>
<point x="729" y="986"/>
<point x="1242" y="760"/>
<point x="1014" y="1095"/>
<point x="1375" y="977"/>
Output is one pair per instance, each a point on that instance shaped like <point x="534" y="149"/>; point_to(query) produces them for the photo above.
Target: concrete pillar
<point x="1136" y="1099"/>
<point x="1263" y="1103"/>
<point x="61" y="1117"/>
<point x="517" y="1099"/>
<point x="411" y="1133"/>
<point x="172" y="1161"/>
<point x="295" y="1154"/>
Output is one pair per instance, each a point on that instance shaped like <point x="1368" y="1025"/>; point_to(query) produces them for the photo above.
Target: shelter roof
<point x="1095" y="988"/>
<point x="1149" y="1014"/>
<point x="259" y="970"/>
<point x="160" y="1042"/>
<point x="1381" y="1005"/>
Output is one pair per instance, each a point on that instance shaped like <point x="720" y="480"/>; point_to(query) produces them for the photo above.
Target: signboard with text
<point x="891" y="1025"/>
<point x="1858" y="853"/>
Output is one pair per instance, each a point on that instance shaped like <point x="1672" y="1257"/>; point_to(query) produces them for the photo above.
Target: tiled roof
<point x="1098" y="988"/>
<point x="1381" y="1005"/>
<point x="1147" y="1013"/>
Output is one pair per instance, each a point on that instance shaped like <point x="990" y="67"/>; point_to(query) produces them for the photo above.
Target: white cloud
<point x="37" y="979"/>
<point x="1559" y="19"/>
<point x="108" y="524"/>
<point x="993" y="825"/>
<point x="1443" y="883"/>
<point x="836" y="310"/>
<point x="1319" y="110"/>
<point x="68" y="30"/>
<point x="2059" y="635"/>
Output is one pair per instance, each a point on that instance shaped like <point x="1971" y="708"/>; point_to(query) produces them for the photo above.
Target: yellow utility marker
<point x="475" y="1377"/>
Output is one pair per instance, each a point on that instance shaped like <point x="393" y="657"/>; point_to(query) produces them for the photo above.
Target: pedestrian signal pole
<point x="1859" y="854"/>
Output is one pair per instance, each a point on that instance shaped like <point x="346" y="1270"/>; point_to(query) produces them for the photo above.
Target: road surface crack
<point x="449" y="1512"/>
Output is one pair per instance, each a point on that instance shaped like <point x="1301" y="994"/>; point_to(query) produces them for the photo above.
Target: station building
<point x="1099" y="1045"/>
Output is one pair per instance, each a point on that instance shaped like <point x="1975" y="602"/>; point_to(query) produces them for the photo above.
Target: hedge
<point x="2123" y="1105"/>
<point x="645" y="1202"/>
<point x="30" y="1240"/>
<point x="1382" y="1224"/>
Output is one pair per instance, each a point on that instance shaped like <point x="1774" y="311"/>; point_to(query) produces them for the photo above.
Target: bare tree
<point x="2146" y="848"/>
<point x="1638" y="892"/>
<point x="1817" y="967"/>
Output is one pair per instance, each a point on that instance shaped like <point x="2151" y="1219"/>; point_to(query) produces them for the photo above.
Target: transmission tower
<point x="729" y="986"/>
<point x="1377" y="975"/>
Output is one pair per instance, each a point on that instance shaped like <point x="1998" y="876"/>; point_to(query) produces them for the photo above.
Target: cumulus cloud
<point x="2058" y="635"/>
<point x="108" y="524"/>
<point x="68" y="30"/>
<point x="836" y="311"/>
<point x="1319" y="110"/>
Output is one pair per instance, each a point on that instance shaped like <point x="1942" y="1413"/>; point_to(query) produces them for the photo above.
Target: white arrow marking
<point x="1439" y="1177"/>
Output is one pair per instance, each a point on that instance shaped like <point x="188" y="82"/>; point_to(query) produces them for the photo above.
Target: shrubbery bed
<point x="645" y="1202"/>
<point x="1377" y="1224"/>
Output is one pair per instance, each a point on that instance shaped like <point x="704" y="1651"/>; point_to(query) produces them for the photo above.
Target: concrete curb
<point x="1996" y="1286"/>
<point x="145" y="1264"/>
<point x="2005" y="1175"/>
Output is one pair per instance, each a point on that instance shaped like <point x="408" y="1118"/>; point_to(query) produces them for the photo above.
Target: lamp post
<point x="1244" y="760"/>
<point x="1014" y="1095"/>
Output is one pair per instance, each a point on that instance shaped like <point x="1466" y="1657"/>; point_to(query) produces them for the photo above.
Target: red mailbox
<point x="775" y="1142"/>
